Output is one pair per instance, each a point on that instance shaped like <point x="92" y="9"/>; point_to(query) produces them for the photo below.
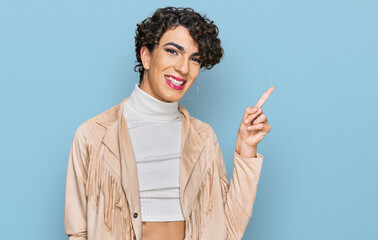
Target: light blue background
<point x="62" y="62"/>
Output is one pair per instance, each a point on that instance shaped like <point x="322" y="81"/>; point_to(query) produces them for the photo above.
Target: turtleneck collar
<point x="149" y="108"/>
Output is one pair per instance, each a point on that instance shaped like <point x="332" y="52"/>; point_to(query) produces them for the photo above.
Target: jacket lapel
<point x="192" y="146"/>
<point x="118" y="141"/>
<point x="129" y="175"/>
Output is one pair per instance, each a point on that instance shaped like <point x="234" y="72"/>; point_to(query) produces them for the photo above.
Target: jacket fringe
<point x="201" y="204"/>
<point x="102" y="179"/>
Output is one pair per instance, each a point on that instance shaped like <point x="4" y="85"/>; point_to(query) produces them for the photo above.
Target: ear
<point x="145" y="56"/>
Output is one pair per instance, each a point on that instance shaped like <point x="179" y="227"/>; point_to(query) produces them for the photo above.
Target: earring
<point x="197" y="90"/>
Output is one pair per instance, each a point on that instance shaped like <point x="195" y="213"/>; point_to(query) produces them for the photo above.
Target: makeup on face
<point x="175" y="82"/>
<point x="173" y="66"/>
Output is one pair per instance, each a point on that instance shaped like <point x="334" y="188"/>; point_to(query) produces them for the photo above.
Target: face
<point x="172" y="67"/>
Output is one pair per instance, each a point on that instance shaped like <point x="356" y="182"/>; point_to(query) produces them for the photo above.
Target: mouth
<point x="175" y="82"/>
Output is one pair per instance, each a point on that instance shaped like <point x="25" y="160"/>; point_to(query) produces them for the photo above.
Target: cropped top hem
<point x="162" y="218"/>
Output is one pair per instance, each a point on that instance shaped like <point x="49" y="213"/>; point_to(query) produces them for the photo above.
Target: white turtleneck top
<point x="155" y="132"/>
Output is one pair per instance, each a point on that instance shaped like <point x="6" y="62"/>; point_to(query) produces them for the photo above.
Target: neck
<point x="150" y="108"/>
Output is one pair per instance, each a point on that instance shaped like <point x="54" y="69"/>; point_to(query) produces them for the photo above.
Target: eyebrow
<point x="181" y="48"/>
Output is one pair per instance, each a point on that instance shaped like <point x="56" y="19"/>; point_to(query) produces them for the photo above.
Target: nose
<point x="182" y="65"/>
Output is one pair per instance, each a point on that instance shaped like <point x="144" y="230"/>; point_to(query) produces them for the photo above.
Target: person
<point x="145" y="168"/>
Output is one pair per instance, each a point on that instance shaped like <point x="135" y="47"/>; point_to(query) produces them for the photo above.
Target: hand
<point x="253" y="128"/>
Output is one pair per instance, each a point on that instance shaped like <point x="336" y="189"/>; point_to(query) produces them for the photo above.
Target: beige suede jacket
<point x="102" y="195"/>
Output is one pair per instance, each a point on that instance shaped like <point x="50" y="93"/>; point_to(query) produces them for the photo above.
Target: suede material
<point x="102" y="194"/>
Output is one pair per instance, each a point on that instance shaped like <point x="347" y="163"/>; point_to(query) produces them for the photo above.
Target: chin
<point x="173" y="98"/>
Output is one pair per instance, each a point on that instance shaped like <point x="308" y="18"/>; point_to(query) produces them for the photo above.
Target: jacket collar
<point x="118" y="141"/>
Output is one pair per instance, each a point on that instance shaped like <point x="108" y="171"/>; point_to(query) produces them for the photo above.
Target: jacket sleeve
<point x="75" y="204"/>
<point x="239" y="196"/>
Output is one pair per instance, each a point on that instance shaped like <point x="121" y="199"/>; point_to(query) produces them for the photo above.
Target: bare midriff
<point x="163" y="230"/>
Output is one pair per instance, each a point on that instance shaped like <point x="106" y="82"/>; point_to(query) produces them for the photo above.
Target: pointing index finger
<point x="264" y="97"/>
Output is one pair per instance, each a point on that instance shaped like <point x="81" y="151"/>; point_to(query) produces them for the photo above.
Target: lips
<point x="175" y="82"/>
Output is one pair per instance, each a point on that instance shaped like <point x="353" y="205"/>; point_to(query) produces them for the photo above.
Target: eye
<point x="196" y="60"/>
<point x="171" y="51"/>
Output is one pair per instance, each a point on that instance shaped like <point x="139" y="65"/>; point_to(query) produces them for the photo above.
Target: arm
<point x="239" y="196"/>
<point x="75" y="221"/>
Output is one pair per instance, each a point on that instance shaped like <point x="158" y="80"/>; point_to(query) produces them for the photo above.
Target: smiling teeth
<point x="174" y="81"/>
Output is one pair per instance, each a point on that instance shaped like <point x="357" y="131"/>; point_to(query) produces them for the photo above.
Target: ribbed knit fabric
<point x="155" y="132"/>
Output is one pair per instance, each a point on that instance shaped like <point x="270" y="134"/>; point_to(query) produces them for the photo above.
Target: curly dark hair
<point x="203" y="31"/>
